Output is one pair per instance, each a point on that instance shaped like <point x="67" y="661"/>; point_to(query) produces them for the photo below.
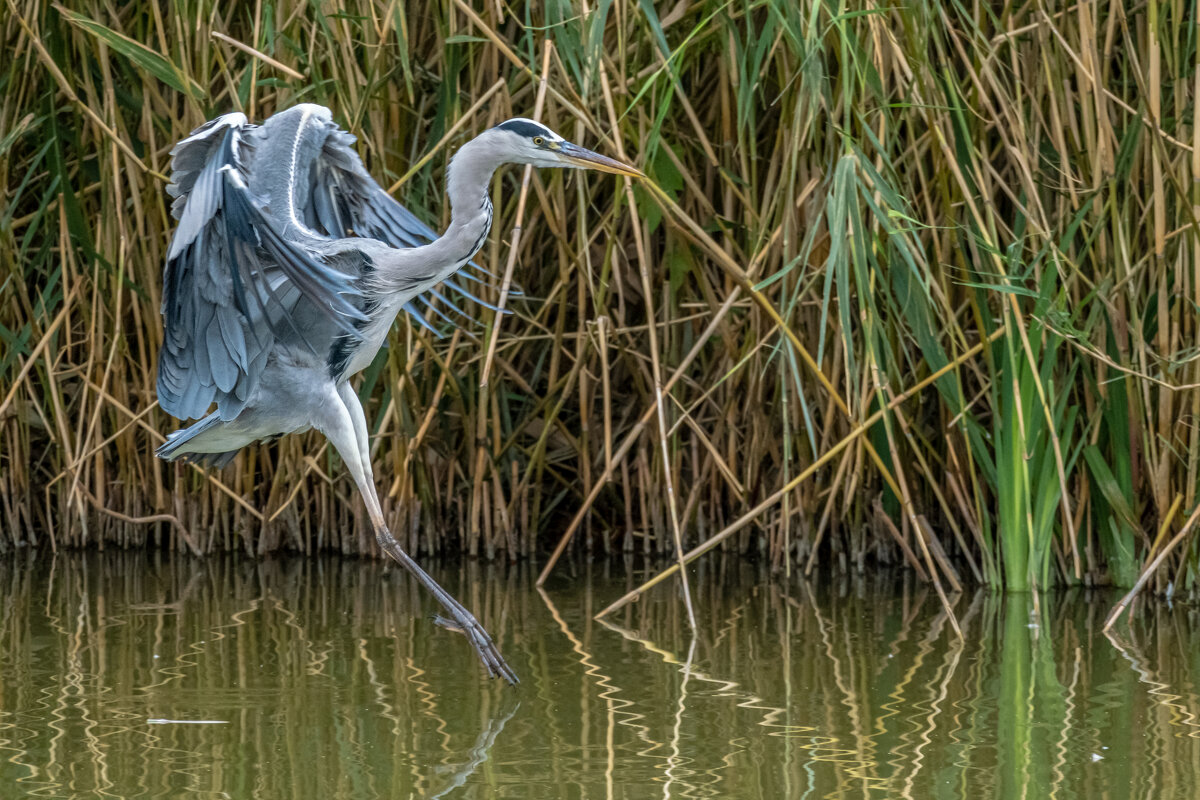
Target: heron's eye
<point x="539" y="141"/>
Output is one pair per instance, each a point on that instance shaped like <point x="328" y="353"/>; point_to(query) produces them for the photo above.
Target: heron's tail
<point x="175" y="447"/>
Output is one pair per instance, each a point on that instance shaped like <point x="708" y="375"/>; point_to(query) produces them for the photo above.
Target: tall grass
<point x="933" y="269"/>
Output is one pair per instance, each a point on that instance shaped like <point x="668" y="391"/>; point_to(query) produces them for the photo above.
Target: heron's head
<point x="523" y="141"/>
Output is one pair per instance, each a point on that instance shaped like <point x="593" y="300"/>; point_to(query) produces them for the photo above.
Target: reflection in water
<point x="330" y="680"/>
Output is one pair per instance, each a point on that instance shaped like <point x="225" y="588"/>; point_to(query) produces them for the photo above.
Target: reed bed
<point x="917" y="283"/>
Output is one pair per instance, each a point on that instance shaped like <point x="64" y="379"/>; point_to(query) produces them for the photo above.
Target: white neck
<point x="467" y="184"/>
<point x="406" y="273"/>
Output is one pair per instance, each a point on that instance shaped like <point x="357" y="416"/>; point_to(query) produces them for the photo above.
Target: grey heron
<point x="288" y="266"/>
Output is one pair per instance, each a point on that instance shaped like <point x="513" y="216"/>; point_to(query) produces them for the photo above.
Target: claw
<point x="463" y="621"/>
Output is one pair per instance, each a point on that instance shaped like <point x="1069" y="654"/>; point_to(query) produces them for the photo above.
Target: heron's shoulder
<point x="211" y="131"/>
<point x="305" y="122"/>
<point x="300" y="111"/>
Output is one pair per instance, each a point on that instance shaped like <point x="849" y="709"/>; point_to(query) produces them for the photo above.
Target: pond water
<point x="135" y="675"/>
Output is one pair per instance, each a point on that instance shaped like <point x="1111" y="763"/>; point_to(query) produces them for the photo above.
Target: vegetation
<point x="916" y="282"/>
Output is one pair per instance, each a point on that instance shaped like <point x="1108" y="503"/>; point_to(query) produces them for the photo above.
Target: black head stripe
<point x="523" y="127"/>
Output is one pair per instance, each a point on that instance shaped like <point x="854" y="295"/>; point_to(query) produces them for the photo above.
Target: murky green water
<point x="326" y="679"/>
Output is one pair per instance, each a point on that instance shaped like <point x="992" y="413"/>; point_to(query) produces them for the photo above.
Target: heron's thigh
<point x="337" y="422"/>
<point x="354" y="406"/>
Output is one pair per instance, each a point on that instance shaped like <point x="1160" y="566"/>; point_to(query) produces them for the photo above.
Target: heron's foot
<point x="461" y="620"/>
<point x="464" y="622"/>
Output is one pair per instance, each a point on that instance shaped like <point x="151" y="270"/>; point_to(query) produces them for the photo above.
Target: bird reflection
<point x="478" y="753"/>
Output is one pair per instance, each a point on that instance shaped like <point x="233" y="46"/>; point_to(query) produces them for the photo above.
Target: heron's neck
<point x="467" y="183"/>
<point x="405" y="273"/>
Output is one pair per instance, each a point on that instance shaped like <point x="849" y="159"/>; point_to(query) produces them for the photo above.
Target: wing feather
<point x="227" y="268"/>
<point x="346" y="201"/>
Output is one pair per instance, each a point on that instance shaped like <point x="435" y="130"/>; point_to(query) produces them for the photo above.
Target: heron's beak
<point x="578" y="156"/>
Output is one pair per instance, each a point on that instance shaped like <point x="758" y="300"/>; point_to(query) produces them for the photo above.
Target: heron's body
<point x="310" y="360"/>
<point x="287" y="269"/>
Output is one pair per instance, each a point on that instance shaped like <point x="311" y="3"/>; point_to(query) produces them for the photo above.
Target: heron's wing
<point x="231" y="280"/>
<point x="345" y="201"/>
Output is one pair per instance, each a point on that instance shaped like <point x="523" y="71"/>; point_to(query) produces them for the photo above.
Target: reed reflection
<point x="330" y="680"/>
<point x="311" y="668"/>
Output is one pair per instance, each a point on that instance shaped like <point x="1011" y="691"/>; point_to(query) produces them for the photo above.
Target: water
<point x="127" y="675"/>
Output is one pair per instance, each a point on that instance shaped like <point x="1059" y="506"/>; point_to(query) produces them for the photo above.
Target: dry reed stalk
<point x="831" y="217"/>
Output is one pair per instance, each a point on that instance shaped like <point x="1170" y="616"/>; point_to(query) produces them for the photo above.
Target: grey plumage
<point x="287" y="268"/>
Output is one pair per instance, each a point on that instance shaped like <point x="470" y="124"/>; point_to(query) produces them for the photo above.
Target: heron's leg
<point x="348" y="433"/>
<point x="350" y="400"/>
